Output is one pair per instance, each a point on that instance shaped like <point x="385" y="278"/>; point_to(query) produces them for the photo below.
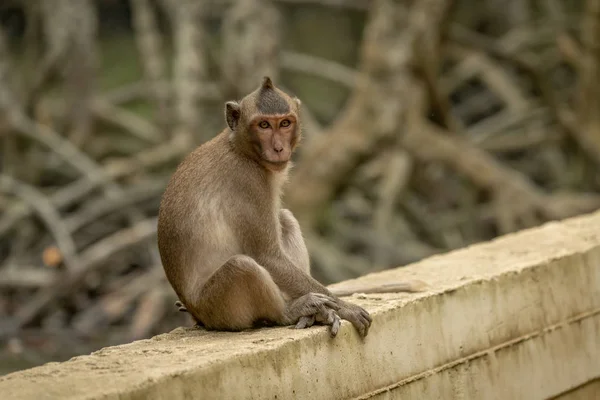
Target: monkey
<point x="234" y="256"/>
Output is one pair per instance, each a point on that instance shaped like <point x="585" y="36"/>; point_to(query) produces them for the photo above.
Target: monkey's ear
<point x="297" y="101"/>
<point x="232" y="114"/>
<point x="267" y="83"/>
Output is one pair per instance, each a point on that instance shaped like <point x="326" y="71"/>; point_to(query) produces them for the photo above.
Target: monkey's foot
<point x="311" y="308"/>
<point x="327" y="317"/>
<point x="307" y="305"/>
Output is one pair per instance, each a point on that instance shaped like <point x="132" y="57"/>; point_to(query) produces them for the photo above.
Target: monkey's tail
<point x="411" y="286"/>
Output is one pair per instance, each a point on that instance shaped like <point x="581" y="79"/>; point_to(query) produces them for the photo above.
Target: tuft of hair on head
<point x="267" y="83"/>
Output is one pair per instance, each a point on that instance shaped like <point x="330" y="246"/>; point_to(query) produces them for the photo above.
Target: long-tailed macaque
<point x="235" y="258"/>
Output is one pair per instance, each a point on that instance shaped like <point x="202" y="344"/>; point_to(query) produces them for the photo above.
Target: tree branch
<point x="48" y="214"/>
<point x="90" y="259"/>
<point x="376" y="109"/>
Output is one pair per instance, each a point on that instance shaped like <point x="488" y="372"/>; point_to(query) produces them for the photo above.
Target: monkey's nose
<point x="278" y="149"/>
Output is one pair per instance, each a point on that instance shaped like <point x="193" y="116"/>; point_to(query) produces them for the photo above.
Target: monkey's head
<point x="265" y="125"/>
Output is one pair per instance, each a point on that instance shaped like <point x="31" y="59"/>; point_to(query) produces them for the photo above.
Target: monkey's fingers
<point x="360" y="322"/>
<point x="328" y="301"/>
<point x="316" y="301"/>
<point x="329" y="317"/>
<point x="335" y="323"/>
<point x="366" y="322"/>
<point x="364" y="317"/>
<point x="360" y="326"/>
<point x="365" y="314"/>
<point x="305" y="322"/>
<point x="332" y="305"/>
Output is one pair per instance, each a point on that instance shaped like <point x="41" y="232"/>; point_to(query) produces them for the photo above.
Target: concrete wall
<point x="516" y="318"/>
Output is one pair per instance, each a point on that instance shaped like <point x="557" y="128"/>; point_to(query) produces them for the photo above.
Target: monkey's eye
<point x="285" y="122"/>
<point x="264" y="125"/>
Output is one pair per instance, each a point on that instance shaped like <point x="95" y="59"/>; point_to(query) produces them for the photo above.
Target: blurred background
<point x="429" y="125"/>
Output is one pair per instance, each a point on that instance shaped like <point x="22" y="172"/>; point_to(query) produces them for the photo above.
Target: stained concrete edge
<point x="587" y="391"/>
<point x="508" y="299"/>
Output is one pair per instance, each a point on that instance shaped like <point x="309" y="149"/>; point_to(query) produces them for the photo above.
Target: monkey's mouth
<point x="276" y="162"/>
<point x="276" y="165"/>
<point x="275" y="159"/>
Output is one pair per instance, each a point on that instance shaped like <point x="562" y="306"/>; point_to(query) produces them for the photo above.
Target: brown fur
<point x="232" y="255"/>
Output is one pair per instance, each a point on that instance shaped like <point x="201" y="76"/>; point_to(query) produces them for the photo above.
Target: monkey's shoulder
<point x="203" y="165"/>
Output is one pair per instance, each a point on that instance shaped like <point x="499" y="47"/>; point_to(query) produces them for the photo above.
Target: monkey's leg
<point x="241" y="293"/>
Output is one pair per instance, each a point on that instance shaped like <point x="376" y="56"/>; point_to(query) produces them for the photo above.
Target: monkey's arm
<point x="293" y="241"/>
<point x="280" y="251"/>
<point x="289" y="277"/>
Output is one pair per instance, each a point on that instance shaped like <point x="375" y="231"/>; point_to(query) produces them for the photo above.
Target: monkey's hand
<point x="358" y="316"/>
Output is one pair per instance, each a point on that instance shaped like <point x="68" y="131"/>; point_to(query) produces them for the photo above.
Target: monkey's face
<point x="264" y="125"/>
<point x="274" y="139"/>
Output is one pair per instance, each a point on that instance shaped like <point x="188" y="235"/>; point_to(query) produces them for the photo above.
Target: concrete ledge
<point x="587" y="391"/>
<point x="515" y="318"/>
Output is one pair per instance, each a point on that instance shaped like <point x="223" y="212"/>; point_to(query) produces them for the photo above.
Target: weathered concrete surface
<point x="534" y="367"/>
<point x="516" y="318"/>
<point x="587" y="391"/>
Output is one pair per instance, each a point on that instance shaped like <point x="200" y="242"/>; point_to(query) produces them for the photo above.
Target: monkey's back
<point x="195" y="236"/>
